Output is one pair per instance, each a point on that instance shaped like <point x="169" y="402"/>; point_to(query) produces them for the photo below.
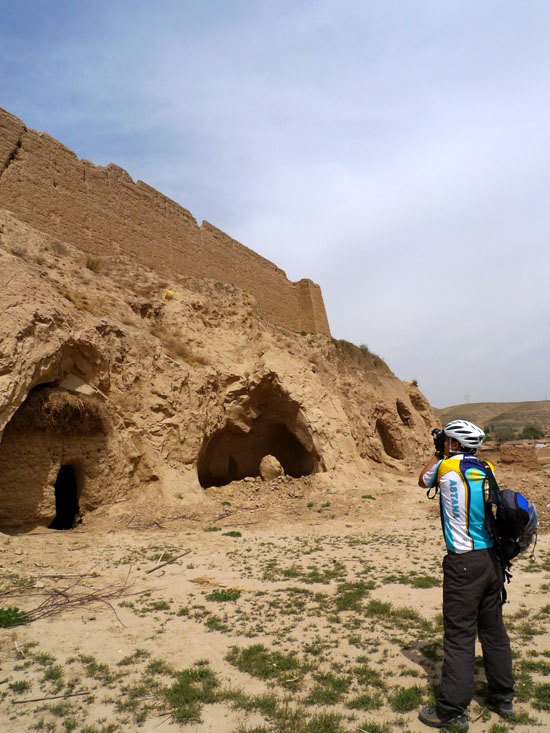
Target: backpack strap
<point x="434" y="489"/>
<point x="494" y="498"/>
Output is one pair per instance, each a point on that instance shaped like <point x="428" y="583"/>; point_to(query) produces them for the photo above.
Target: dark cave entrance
<point x="231" y="456"/>
<point x="404" y="413"/>
<point x="263" y="421"/>
<point x="66" y="499"/>
<point x="391" y="440"/>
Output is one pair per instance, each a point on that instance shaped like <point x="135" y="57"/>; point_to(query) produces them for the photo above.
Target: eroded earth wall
<point x="102" y="211"/>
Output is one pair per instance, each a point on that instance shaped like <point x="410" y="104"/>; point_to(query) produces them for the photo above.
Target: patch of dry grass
<point x="55" y="410"/>
<point x="176" y="347"/>
<point x="94" y="263"/>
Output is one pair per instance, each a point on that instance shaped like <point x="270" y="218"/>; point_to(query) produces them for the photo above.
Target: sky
<point x="394" y="151"/>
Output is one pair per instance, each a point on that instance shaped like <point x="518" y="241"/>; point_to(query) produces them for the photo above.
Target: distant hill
<point x="514" y="416"/>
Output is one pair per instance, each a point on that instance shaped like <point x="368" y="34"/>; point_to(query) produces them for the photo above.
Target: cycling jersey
<point x="462" y="493"/>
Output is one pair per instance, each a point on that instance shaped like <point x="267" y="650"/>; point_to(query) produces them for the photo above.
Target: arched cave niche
<point x="420" y="404"/>
<point x="266" y="422"/>
<point x="52" y="428"/>
<point x="66" y="498"/>
<point x="404" y="413"/>
<point x="390" y="438"/>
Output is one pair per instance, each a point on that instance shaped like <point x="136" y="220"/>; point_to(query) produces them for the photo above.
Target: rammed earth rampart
<point x="102" y="212"/>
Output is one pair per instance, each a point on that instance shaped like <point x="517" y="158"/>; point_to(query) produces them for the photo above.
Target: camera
<point x="439" y="442"/>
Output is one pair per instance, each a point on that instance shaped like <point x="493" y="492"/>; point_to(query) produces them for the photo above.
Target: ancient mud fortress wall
<point x="103" y="212"/>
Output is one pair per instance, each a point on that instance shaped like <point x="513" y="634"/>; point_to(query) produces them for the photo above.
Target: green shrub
<point x="322" y="723"/>
<point x="375" y="728"/>
<point x="224" y="595"/>
<point x="20" y="686"/>
<point x="328" y="690"/>
<point x="542" y="697"/>
<point x="349" y="596"/>
<point x="406" y="699"/>
<point x="425" y="581"/>
<point x="365" y="675"/>
<point x="192" y="688"/>
<point x="258" y="661"/>
<point x="12" y="617"/>
<point x="366" y="701"/>
<point x="531" y="432"/>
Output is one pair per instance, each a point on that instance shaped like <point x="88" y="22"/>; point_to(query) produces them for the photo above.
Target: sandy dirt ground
<point x="309" y="606"/>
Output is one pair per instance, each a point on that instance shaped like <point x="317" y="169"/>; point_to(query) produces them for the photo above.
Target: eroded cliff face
<point x="144" y="385"/>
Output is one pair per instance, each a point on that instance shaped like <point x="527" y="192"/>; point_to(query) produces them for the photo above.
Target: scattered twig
<point x="247" y="509"/>
<point x="245" y="524"/>
<point x="102" y="600"/>
<point x="68" y="575"/>
<point x="194" y="517"/>
<point x="168" y="562"/>
<point x="145" y="525"/>
<point x="223" y="515"/>
<point x="55" y="697"/>
<point x="165" y="716"/>
<point x="67" y="599"/>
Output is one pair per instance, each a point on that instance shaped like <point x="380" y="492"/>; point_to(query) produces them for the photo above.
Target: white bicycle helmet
<point x="466" y="433"/>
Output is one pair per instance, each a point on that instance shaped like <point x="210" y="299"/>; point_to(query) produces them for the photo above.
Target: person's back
<point x="472" y="580"/>
<point x="463" y="491"/>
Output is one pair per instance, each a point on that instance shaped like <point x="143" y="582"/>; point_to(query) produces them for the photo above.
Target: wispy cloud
<point x="394" y="152"/>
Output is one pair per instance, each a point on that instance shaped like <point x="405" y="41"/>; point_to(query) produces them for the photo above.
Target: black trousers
<point x="471" y="603"/>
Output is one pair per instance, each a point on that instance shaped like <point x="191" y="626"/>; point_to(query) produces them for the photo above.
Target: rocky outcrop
<point x="148" y="385"/>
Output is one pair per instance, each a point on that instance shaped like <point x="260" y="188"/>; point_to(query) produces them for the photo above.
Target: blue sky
<point x="396" y="152"/>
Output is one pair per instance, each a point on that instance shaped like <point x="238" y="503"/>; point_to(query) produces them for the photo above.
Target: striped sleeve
<point x="430" y="477"/>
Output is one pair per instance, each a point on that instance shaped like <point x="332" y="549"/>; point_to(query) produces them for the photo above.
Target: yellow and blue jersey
<point x="463" y="490"/>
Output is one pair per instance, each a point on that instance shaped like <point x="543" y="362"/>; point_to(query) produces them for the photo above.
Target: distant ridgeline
<point x="508" y="419"/>
<point x="103" y="212"/>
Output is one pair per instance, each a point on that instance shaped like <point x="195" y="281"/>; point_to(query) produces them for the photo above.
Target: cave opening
<point x="231" y="455"/>
<point x="66" y="499"/>
<point x="404" y="413"/>
<point x="261" y="421"/>
<point x="390" y="439"/>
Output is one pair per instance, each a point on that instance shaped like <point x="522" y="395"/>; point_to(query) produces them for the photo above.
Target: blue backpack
<point x="511" y="520"/>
